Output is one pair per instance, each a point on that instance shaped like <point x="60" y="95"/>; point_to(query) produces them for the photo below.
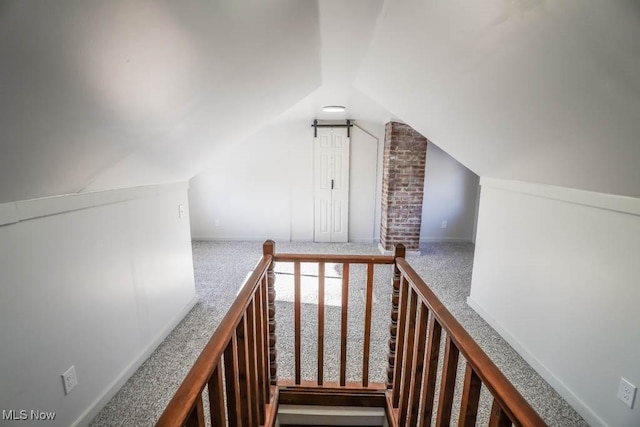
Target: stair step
<point x="333" y="416"/>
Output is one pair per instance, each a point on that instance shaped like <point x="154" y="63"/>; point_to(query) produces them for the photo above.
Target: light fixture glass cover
<point x="333" y="108"/>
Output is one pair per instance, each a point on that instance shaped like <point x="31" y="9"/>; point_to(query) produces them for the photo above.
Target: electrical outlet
<point x="627" y="392"/>
<point x="444" y="224"/>
<point x="180" y="211"/>
<point x="69" y="380"/>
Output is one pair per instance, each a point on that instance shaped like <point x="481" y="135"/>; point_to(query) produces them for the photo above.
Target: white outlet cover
<point x="627" y="392"/>
<point x="69" y="380"/>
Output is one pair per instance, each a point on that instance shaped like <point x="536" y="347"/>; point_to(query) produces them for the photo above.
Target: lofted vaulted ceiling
<point x="529" y="90"/>
<point x="109" y="94"/>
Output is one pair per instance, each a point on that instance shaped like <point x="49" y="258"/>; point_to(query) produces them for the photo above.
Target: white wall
<point x="450" y="194"/>
<point x="556" y="272"/>
<point x="256" y="189"/>
<point x="367" y="145"/>
<point x="92" y="280"/>
<point x="263" y="188"/>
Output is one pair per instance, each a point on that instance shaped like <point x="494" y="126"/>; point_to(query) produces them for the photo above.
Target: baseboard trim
<point x="241" y="239"/>
<point x="90" y="413"/>
<point x="275" y="239"/>
<point x="444" y="239"/>
<point x="365" y="240"/>
<point x="585" y="411"/>
<point x="383" y="251"/>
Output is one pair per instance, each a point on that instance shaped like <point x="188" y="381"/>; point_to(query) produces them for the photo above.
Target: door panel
<point x="337" y="217"/>
<point x="325" y="215"/>
<point x="325" y="172"/>
<point x="331" y="192"/>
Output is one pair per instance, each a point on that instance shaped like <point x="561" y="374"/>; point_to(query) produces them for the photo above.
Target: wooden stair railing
<point x="234" y="366"/>
<point x="238" y="366"/>
<point x="414" y="398"/>
<point x="319" y="391"/>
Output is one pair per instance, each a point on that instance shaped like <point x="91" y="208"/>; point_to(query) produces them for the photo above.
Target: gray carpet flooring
<point x="220" y="268"/>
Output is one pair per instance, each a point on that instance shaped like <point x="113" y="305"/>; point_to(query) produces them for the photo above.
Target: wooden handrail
<point x="337" y="259"/>
<point x="189" y="393"/>
<point x="505" y="394"/>
<point x="239" y="366"/>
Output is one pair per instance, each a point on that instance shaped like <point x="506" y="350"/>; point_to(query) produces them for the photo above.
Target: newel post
<point x="393" y="327"/>
<point x="269" y="248"/>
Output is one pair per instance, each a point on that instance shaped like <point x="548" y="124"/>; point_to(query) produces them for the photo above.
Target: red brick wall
<point x="405" y="153"/>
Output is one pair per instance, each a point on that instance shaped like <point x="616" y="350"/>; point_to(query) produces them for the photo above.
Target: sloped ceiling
<point x="530" y="90"/>
<point x="110" y="94"/>
<point x="346" y="29"/>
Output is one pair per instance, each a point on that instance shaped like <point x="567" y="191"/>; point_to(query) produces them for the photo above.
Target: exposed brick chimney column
<point x="405" y="153"/>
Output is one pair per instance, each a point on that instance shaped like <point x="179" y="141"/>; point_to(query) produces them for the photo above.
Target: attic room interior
<point x="138" y="135"/>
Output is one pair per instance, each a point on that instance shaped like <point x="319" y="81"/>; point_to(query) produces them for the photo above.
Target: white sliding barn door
<point x="331" y="185"/>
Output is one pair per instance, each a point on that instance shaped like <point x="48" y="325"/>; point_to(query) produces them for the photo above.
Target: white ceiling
<point x="99" y="95"/>
<point x="528" y="90"/>
<point x="109" y="94"/>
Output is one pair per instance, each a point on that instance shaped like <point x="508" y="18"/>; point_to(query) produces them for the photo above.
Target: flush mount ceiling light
<point x="333" y="108"/>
